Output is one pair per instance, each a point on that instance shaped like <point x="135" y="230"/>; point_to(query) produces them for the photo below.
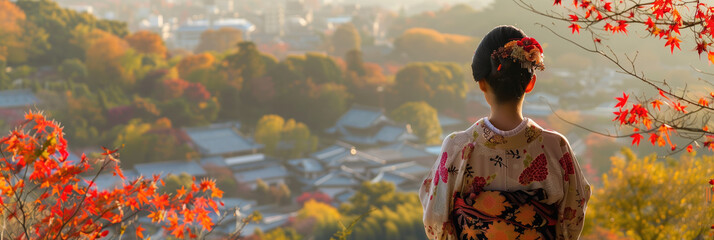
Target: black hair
<point x="507" y="78"/>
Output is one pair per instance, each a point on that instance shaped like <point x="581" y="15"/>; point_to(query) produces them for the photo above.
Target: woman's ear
<point x="482" y="85"/>
<point x="531" y="84"/>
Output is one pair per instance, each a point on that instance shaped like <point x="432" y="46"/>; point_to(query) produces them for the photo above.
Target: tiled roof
<point x="306" y="165"/>
<point x="341" y="155"/>
<point x="337" y="179"/>
<point x="272" y="171"/>
<point x="17" y="98"/>
<point x="408" y="168"/>
<point x="399" y="151"/>
<point x="220" y="139"/>
<point x="170" y="167"/>
<point x="360" y="117"/>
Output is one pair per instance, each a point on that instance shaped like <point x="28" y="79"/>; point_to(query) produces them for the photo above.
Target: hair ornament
<point x="527" y="51"/>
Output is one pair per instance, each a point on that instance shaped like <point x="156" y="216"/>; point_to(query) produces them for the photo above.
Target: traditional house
<point x="406" y="177"/>
<point x="306" y="169"/>
<point x="222" y="140"/>
<point x="343" y="155"/>
<point x="337" y="182"/>
<point x="249" y="168"/>
<point x="368" y="126"/>
<point x="170" y="167"/>
<point x="14" y="103"/>
<point x="403" y="152"/>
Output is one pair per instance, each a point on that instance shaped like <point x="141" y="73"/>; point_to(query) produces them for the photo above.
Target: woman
<point x="505" y="177"/>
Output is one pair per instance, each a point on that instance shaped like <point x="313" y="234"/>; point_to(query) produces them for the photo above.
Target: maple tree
<point x="674" y="114"/>
<point x="45" y="195"/>
<point x="147" y="43"/>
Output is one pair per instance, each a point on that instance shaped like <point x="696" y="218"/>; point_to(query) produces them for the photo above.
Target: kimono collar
<point x="484" y="133"/>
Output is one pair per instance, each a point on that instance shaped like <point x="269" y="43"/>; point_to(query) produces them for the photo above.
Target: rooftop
<point x="17" y="98"/>
<point x="342" y="155"/>
<point x="220" y="139"/>
<point x="203" y="24"/>
<point x="337" y="179"/>
<point x="269" y="172"/>
<point x="306" y="165"/>
<point x="170" y="167"/>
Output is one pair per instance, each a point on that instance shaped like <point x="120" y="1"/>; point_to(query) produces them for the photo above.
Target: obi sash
<point x="504" y="215"/>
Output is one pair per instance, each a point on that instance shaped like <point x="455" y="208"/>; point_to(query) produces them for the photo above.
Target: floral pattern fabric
<point x="504" y="215"/>
<point x="495" y="180"/>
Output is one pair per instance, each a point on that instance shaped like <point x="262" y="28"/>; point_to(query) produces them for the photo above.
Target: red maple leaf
<point x="622" y="101"/>
<point x="690" y="148"/>
<point x="573" y="18"/>
<point x="679" y="107"/>
<point x="653" y="138"/>
<point x="608" y="6"/>
<point x="636" y="139"/>
<point x="673" y="41"/>
<point x="575" y="28"/>
<point x="650" y="23"/>
<point x="656" y="104"/>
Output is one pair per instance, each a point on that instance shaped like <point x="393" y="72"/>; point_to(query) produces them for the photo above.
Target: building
<point x="274" y="20"/>
<point x="14" y="104"/>
<point x="342" y="155"/>
<point x="221" y="140"/>
<point x="170" y="167"/>
<point x="403" y="152"/>
<point x="369" y="126"/>
<point x="188" y="35"/>
<point x="248" y="169"/>
<point x="306" y="169"/>
<point x="156" y="24"/>
<point x="17" y="99"/>
<point x="406" y="177"/>
<point x="337" y="182"/>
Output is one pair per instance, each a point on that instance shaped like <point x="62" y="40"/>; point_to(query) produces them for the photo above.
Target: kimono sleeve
<point x="436" y="194"/>
<point x="571" y="211"/>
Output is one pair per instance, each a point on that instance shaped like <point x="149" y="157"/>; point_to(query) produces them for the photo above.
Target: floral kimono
<point x="492" y="184"/>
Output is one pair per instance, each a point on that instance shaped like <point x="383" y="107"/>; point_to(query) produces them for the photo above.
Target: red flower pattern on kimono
<point x="442" y="172"/>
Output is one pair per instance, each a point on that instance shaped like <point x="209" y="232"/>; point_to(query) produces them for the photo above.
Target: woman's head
<point x="508" y="78"/>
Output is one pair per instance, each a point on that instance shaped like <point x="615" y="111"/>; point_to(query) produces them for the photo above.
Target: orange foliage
<point x="147" y="43"/>
<point x="103" y="58"/>
<point x="194" y="62"/>
<point x="10" y="30"/>
<point x="451" y="46"/>
<point x="44" y="196"/>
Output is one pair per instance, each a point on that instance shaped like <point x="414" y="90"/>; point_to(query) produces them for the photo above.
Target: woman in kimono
<point x="505" y="177"/>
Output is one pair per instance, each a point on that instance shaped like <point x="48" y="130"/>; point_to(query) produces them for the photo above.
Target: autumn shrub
<point x="45" y="195"/>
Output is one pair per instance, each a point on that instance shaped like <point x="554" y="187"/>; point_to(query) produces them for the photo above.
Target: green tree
<point x="73" y="69"/>
<point x="442" y="85"/>
<point x="248" y="60"/>
<point x="345" y="38"/>
<point x="424" y="120"/>
<point x="174" y="182"/>
<point x="650" y="198"/>
<point x="327" y="218"/>
<point x="322" y="69"/>
<point x="355" y="63"/>
<point x="58" y="23"/>
<point x="268" y="132"/>
<point x="330" y="102"/>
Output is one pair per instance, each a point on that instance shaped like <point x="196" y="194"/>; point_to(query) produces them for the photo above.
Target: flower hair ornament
<point x="527" y="51"/>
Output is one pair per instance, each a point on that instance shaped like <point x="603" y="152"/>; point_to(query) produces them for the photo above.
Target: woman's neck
<point x="506" y="116"/>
